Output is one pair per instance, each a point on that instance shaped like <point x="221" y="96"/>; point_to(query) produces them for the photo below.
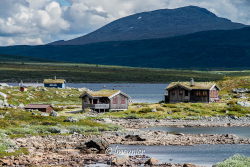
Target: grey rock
<point x="21" y="105"/>
<point x="54" y="114"/>
<point x="120" y="161"/>
<point x="3" y="95"/>
<point x="134" y="138"/>
<point x="71" y="119"/>
<point x="152" y="161"/>
<point x="44" y="114"/>
<point x="243" y="103"/>
<point x="241" y="90"/>
<point x="154" y="110"/>
<point x="4" y="85"/>
<point x="98" y="146"/>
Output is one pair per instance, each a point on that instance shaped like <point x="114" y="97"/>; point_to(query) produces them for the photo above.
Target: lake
<point x="140" y="93"/>
<point x="239" y="131"/>
<point x="206" y="155"/>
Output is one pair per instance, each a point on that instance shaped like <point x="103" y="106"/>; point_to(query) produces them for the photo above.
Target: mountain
<point x="156" y="24"/>
<point x="208" y="49"/>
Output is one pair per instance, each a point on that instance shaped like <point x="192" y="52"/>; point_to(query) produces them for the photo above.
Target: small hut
<point x="196" y="92"/>
<point x="54" y="83"/>
<point x="105" y="100"/>
<point x="40" y="107"/>
<point x="22" y="87"/>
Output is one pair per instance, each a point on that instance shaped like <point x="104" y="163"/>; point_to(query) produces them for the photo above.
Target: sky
<point x="36" y="22"/>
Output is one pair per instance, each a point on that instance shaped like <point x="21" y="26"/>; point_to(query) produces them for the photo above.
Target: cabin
<point x="54" y="83"/>
<point x="194" y="92"/>
<point x="40" y="107"/>
<point x="105" y="100"/>
<point x="22" y="87"/>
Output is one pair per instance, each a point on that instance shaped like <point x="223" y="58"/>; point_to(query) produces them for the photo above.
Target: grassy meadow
<point x="16" y="122"/>
<point x="77" y="73"/>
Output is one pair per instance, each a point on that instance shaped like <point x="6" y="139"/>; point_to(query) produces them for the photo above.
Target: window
<point x="123" y="100"/>
<point x="201" y="93"/>
<point x="186" y="92"/>
<point x="173" y="93"/>
<point x="181" y="92"/>
<point x="115" y="100"/>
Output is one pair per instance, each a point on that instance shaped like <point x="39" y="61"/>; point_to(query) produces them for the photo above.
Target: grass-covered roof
<point x="101" y="93"/>
<point x="54" y="81"/>
<point x="197" y="85"/>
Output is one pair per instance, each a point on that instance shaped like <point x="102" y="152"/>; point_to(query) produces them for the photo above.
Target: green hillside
<point x="207" y="50"/>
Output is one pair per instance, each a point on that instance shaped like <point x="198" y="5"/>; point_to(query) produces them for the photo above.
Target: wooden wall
<point x="178" y="94"/>
<point x="119" y="102"/>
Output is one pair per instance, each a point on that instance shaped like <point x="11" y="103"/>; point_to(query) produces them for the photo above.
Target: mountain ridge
<point x="155" y="24"/>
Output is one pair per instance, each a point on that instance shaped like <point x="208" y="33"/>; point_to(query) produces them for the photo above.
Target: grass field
<point x="36" y="72"/>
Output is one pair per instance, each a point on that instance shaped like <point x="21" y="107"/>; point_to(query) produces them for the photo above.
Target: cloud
<point x="43" y="21"/>
<point x="30" y="22"/>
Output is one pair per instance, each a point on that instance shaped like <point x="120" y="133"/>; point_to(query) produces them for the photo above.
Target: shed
<point x="54" y="83"/>
<point x="40" y="107"/>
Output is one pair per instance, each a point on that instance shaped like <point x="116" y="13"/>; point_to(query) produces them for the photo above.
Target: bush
<point x="145" y="110"/>
<point x="177" y="110"/>
<point x="235" y="161"/>
<point x="160" y="109"/>
<point x="58" y="109"/>
<point x="235" y="108"/>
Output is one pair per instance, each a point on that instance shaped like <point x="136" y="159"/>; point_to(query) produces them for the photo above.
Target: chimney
<point x="21" y="84"/>
<point x="192" y="82"/>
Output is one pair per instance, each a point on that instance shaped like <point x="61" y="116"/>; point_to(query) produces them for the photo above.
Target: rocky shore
<point x="202" y="122"/>
<point x="74" y="150"/>
<point x="78" y="150"/>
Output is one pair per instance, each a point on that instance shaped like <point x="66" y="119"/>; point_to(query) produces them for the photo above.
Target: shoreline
<point x="140" y="123"/>
<point x="59" y="150"/>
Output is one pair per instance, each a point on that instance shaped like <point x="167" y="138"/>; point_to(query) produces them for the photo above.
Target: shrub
<point x="58" y="109"/>
<point x="160" y="109"/>
<point x="145" y="110"/>
<point x="176" y="110"/>
<point x="235" y="161"/>
<point x="235" y="108"/>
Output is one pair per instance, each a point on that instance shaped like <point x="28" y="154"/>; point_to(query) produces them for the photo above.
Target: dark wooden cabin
<point x="194" y="92"/>
<point x="54" y="83"/>
<point x="105" y="100"/>
<point x="40" y="107"/>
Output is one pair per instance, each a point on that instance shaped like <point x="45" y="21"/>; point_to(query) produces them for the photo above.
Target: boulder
<point x="98" y="146"/>
<point x="54" y="114"/>
<point x="134" y="138"/>
<point x="243" y="103"/>
<point x="4" y="85"/>
<point x="152" y="161"/>
<point x="71" y="119"/>
<point x="241" y="90"/>
<point x="154" y="110"/>
<point x="123" y="161"/>
<point x="3" y="95"/>
<point x="189" y="165"/>
<point x="21" y="105"/>
<point x="44" y="114"/>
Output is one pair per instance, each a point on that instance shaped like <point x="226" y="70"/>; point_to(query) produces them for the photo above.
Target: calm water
<point x="206" y="155"/>
<point x="239" y="131"/>
<point x="140" y="93"/>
